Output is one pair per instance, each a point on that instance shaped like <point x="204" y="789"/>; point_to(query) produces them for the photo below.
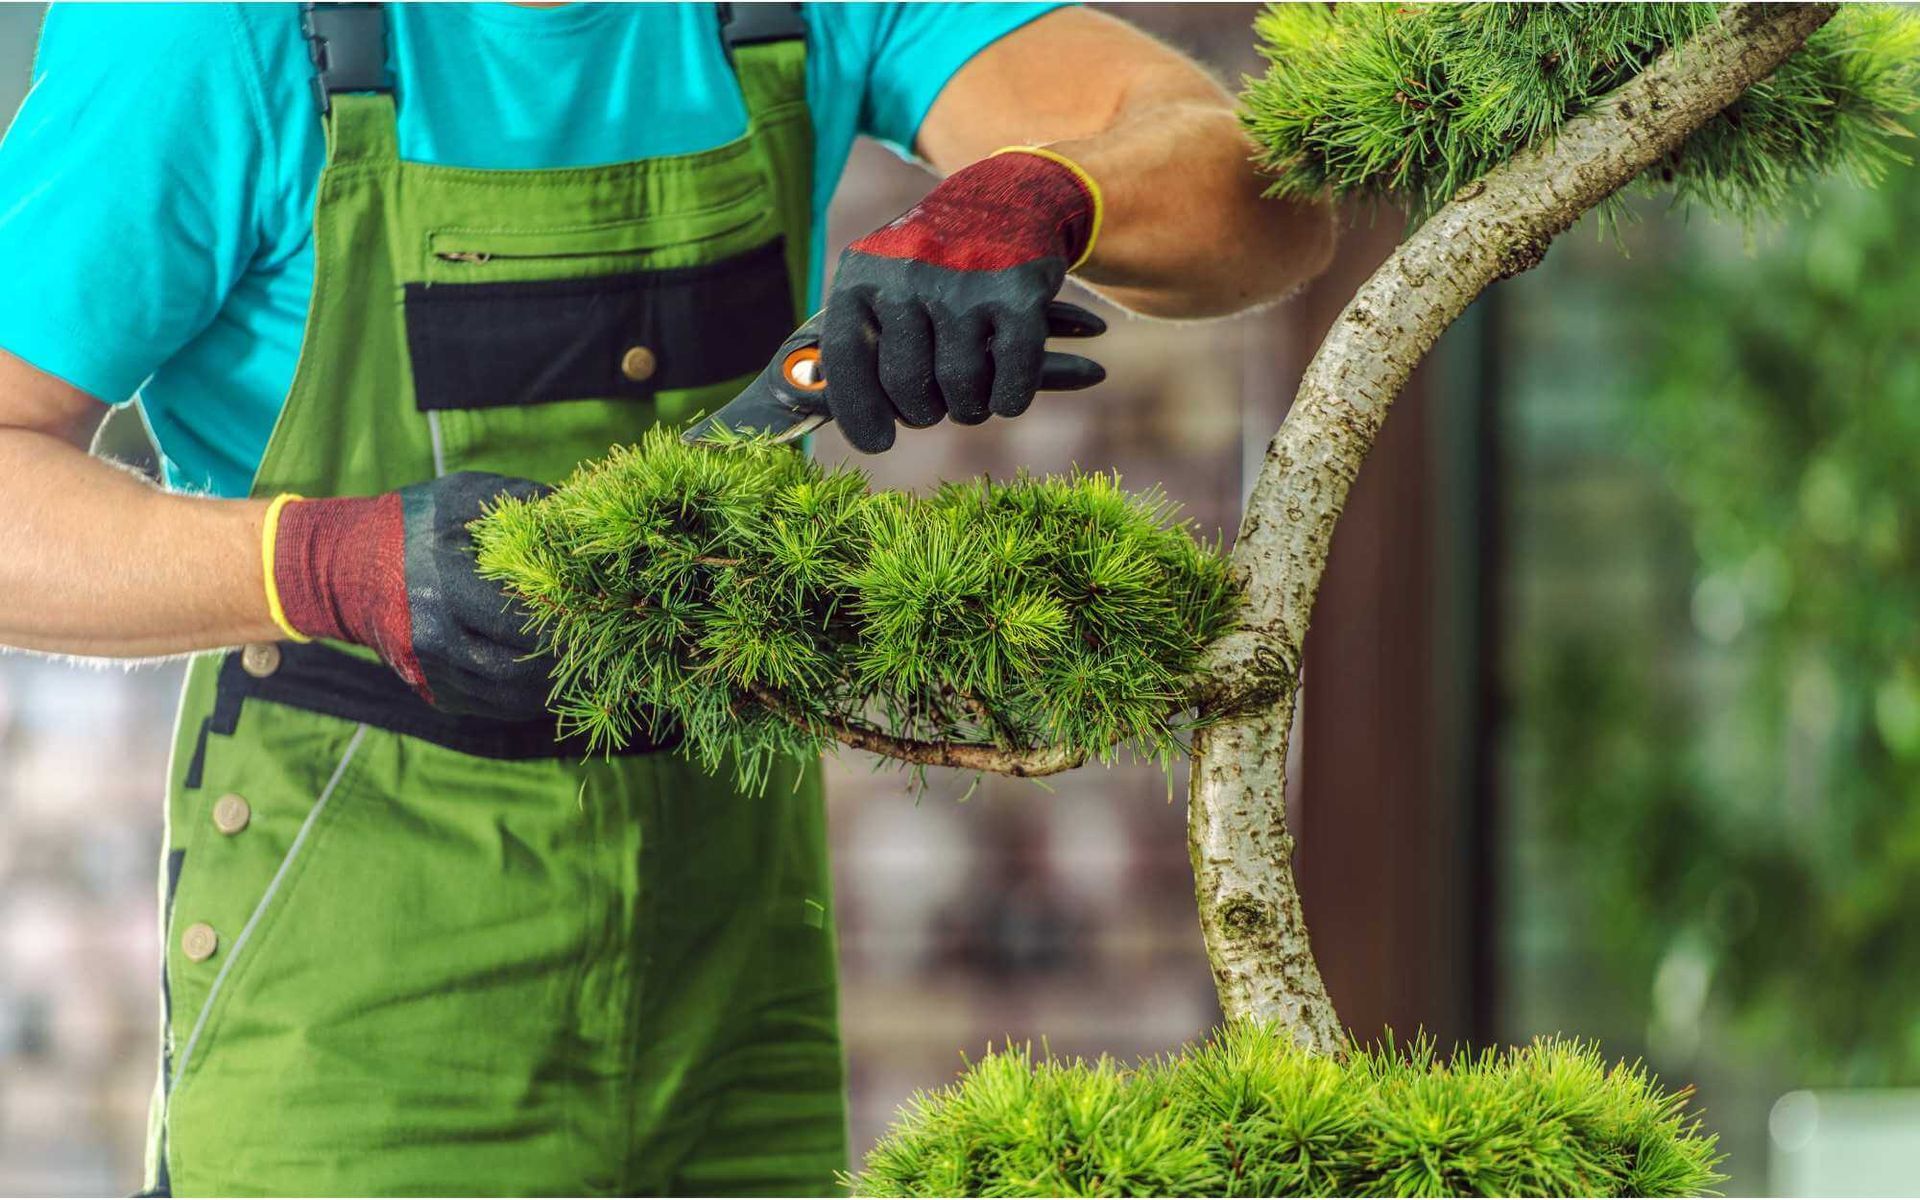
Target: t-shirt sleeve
<point x="915" y="50"/>
<point x="130" y="187"/>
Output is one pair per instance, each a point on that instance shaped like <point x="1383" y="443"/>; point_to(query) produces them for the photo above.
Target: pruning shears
<point x="788" y="399"/>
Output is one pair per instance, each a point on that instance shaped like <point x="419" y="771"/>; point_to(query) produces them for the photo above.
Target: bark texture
<point x="1495" y="227"/>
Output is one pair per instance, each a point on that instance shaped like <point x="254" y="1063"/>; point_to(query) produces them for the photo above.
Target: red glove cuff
<point x="339" y="567"/>
<point x="1015" y="207"/>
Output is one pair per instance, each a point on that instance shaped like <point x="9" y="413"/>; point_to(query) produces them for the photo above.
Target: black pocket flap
<point x="489" y="345"/>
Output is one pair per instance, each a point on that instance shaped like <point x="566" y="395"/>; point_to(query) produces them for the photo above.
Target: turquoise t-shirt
<point x="157" y="185"/>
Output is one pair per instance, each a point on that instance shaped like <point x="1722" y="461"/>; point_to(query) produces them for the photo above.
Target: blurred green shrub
<point x="1250" y="1114"/>
<point x="1748" y="797"/>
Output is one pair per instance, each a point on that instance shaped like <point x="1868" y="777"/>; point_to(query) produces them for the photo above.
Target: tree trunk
<point x="1495" y="227"/>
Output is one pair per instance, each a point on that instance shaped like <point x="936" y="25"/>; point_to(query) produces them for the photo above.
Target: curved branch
<point x="967" y="756"/>
<point x="1495" y="227"/>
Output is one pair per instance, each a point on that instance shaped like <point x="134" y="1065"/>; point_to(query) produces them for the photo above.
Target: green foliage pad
<point x="1250" y="1114"/>
<point x="690" y="584"/>
<point x="1410" y="101"/>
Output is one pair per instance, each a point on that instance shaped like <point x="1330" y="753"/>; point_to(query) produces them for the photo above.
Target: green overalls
<point x="410" y="953"/>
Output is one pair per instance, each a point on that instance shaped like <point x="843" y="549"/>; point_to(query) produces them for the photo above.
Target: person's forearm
<point x="1186" y="231"/>
<point x="95" y="561"/>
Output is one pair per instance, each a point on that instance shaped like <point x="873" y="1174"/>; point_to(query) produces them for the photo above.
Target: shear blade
<point x="752" y="413"/>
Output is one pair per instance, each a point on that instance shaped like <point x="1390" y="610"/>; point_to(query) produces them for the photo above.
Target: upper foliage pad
<point x="710" y="587"/>
<point x="1410" y="101"/>
<point x="1251" y="1114"/>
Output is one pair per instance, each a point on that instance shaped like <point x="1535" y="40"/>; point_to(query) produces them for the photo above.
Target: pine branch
<point x="966" y="756"/>
<point x="1059" y="619"/>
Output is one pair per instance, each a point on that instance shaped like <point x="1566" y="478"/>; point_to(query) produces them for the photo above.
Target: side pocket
<point x="245" y="944"/>
<point x="627" y="336"/>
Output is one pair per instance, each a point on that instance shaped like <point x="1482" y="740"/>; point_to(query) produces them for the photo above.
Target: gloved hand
<point x="395" y="573"/>
<point x="943" y="311"/>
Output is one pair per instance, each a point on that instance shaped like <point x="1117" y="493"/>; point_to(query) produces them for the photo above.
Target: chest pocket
<point x="634" y="312"/>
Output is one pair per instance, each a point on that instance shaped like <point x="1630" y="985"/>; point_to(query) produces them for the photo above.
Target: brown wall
<point x="1380" y="821"/>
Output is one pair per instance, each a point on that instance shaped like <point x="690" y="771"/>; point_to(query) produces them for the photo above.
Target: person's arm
<point x="1074" y="144"/>
<point x="145" y="127"/>
<point x="96" y="561"/>
<point x="1185" y="231"/>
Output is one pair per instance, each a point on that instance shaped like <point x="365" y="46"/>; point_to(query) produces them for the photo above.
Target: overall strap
<point x="767" y="44"/>
<point x="353" y="85"/>
<point x="351" y="80"/>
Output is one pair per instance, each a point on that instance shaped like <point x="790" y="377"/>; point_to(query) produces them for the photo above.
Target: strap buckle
<point x="755" y="24"/>
<point x="348" y="46"/>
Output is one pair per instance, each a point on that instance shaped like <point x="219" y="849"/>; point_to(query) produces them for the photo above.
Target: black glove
<point x="395" y="572"/>
<point x="946" y="310"/>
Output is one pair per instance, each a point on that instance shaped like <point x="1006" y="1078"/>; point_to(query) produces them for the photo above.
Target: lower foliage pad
<point x="752" y="596"/>
<point x="1251" y="1114"/>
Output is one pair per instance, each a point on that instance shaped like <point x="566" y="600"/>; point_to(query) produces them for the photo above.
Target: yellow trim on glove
<point x="269" y="534"/>
<point x="1086" y="181"/>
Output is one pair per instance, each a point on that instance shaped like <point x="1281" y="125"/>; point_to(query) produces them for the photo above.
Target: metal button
<point x="231" y="813"/>
<point x="639" y="364"/>
<point x="199" y="942"/>
<point x="260" y="659"/>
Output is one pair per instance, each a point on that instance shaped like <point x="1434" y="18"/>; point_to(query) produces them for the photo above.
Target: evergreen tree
<point x="766" y="605"/>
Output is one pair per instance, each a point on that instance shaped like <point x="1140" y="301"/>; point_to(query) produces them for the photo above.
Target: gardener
<point x="413" y="943"/>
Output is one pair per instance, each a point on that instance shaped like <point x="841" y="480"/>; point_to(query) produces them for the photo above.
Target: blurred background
<point x="1612" y="717"/>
